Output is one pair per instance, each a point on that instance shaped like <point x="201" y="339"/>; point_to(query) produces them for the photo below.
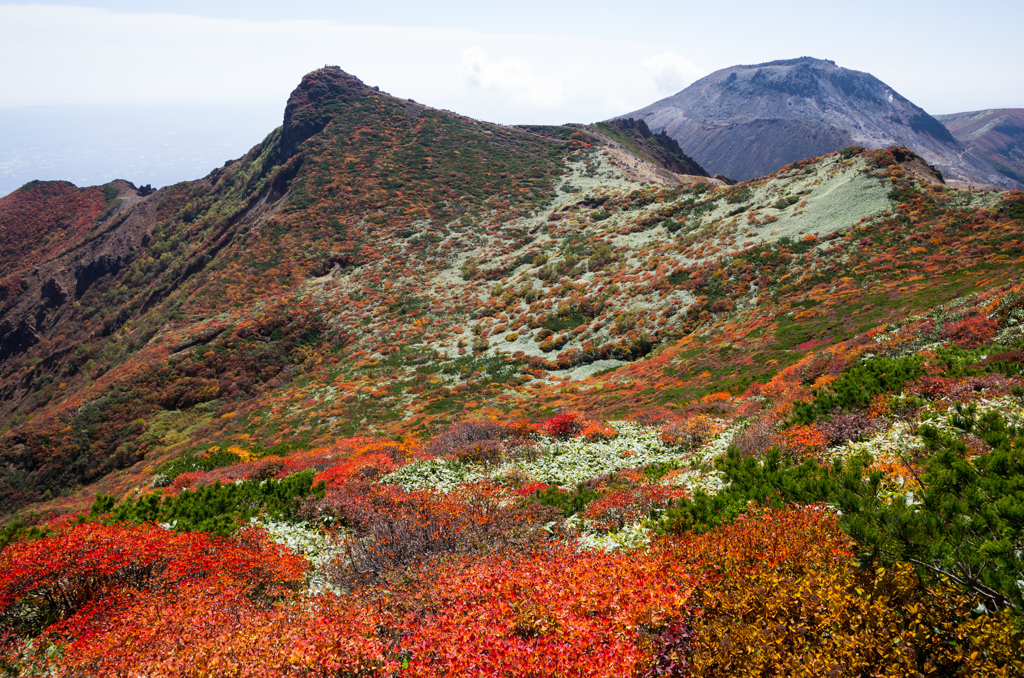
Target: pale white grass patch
<point x="629" y="538"/>
<point x="319" y="547"/>
<point x="440" y="475"/>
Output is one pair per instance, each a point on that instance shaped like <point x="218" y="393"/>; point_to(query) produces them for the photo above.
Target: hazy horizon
<point x="94" y="144"/>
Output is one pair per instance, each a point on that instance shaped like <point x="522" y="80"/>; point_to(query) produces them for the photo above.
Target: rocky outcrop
<point x="313" y="103"/>
<point x="50" y="285"/>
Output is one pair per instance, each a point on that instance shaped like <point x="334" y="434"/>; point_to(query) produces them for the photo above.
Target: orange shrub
<point x="805" y="440"/>
<point x="595" y="430"/>
<point x="838" y="620"/>
<point x="692" y="431"/>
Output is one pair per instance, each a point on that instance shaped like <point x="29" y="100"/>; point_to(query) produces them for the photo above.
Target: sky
<point x="524" y="62"/>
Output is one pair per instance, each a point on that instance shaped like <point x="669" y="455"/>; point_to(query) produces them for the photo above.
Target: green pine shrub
<point x="217" y="508"/>
<point x="967" y="525"/>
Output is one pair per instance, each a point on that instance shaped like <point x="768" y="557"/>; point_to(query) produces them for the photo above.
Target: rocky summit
<point x="747" y="121"/>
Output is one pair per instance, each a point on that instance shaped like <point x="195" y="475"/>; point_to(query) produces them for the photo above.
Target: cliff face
<point x="67" y="238"/>
<point x="660" y="148"/>
<point x="746" y="121"/>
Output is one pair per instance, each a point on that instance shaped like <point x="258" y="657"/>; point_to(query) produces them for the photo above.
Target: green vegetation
<point x="967" y="523"/>
<point x="19" y="530"/>
<point x="772" y="481"/>
<point x="783" y="203"/>
<point x="1014" y="209"/>
<point x="568" y="502"/>
<point x="217" y="509"/>
<point x="566" y="320"/>
<point x="193" y="461"/>
<point x="858" y="385"/>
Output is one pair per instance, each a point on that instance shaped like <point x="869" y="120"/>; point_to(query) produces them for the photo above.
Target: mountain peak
<point x="810" y="61"/>
<point x="747" y="120"/>
<point x="313" y="102"/>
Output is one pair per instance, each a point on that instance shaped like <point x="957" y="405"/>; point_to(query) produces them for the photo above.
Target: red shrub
<point x="619" y="508"/>
<point x="529" y="488"/>
<point x="508" y="616"/>
<point x="364" y="468"/>
<point x="82" y="573"/>
<point x="564" y="425"/>
<point x="187" y="481"/>
<point x="971" y="332"/>
<point x="959" y="389"/>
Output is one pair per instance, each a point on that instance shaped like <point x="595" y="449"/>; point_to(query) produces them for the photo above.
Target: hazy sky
<point x="538" y="62"/>
<point x="519" y="62"/>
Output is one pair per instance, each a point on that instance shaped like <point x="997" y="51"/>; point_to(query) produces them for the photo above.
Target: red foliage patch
<point x="962" y="389"/>
<point x="971" y="332"/>
<point x="42" y="217"/>
<point x="564" y="425"/>
<point x="509" y="616"/>
<point x="529" y="488"/>
<point x="88" y="573"/>
<point x="622" y="507"/>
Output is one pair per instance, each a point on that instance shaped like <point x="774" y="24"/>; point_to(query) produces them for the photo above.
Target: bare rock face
<point x="747" y="121"/>
<point x="313" y="103"/>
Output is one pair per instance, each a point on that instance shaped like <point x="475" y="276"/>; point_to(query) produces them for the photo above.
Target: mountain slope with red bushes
<point x="400" y="391"/>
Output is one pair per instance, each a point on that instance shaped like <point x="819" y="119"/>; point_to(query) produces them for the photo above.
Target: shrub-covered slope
<point x="401" y="392"/>
<point x="379" y="266"/>
<point x="860" y="510"/>
<point x="996" y="135"/>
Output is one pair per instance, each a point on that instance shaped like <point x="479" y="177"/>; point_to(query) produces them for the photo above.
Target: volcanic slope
<point x="378" y="266"/>
<point x="746" y="121"/>
<point x="645" y="155"/>
<point x="997" y="135"/>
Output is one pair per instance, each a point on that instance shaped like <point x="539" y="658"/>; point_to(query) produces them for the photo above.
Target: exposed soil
<point x="639" y="169"/>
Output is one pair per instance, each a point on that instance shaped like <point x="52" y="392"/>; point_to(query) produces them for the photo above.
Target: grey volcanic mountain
<point x="997" y="135"/>
<point x="747" y="121"/>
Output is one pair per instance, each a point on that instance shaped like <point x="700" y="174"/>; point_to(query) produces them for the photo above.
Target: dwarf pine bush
<point x="772" y="481"/>
<point x="967" y="525"/>
<point x="855" y="388"/>
<point x="217" y="509"/>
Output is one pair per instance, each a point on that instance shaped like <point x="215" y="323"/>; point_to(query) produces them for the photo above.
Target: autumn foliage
<point x="456" y="407"/>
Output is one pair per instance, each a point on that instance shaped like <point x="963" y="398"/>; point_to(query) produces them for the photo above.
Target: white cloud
<point x="614" y="102"/>
<point x="514" y="77"/>
<point x="670" y="72"/>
